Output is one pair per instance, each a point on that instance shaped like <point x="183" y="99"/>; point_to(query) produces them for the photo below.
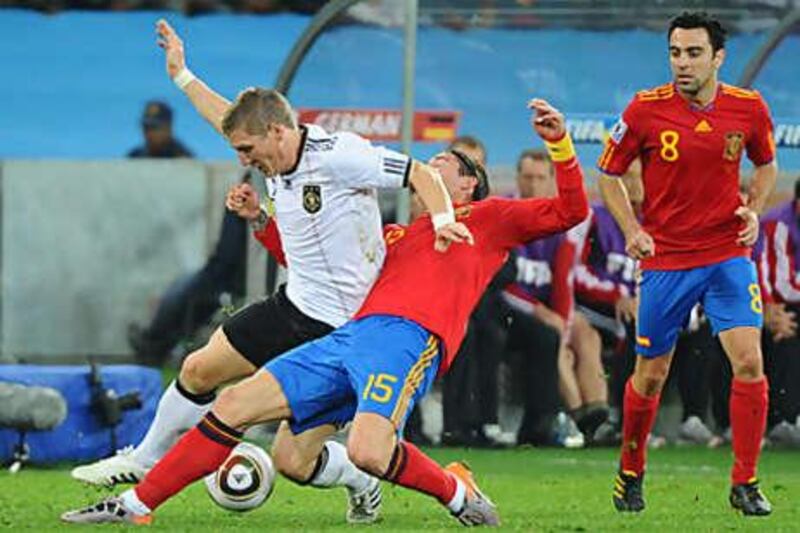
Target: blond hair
<point x="255" y="109"/>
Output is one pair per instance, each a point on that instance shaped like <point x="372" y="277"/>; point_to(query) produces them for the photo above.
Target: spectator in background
<point x="777" y="254"/>
<point x="159" y="141"/>
<point x="605" y="292"/>
<point x="544" y="290"/>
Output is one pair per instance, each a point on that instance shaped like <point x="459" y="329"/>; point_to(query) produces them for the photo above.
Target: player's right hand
<point x="242" y="199"/>
<point x="547" y="121"/>
<point x="625" y="309"/>
<point x="781" y="322"/>
<point x="450" y="233"/>
<point x="640" y="245"/>
<point x="173" y="47"/>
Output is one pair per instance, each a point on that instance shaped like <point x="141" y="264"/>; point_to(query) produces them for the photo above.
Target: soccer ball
<point x="244" y="481"/>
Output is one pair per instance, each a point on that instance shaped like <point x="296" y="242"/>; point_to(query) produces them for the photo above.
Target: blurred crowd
<point x="189" y="7"/>
<point x="742" y="15"/>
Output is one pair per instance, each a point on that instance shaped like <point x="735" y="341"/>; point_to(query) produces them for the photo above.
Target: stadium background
<point x="75" y="81"/>
<point x="89" y="240"/>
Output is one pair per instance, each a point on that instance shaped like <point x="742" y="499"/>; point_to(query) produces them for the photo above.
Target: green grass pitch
<point x="536" y="490"/>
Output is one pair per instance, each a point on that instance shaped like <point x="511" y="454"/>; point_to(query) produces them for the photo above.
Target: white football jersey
<point x="330" y="225"/>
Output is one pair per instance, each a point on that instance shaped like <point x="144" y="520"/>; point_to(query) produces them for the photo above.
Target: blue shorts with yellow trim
<point x="728" y="291"/>
<point x="378" y="364"/>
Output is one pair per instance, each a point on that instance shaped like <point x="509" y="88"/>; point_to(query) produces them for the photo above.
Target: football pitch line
<point x="611" y="465"/>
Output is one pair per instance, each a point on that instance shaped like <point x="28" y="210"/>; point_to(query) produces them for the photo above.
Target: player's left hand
<point x="749" y="234"/>
<point x="450" y="233"/>
<point x="172" y="44"/>
<point x="547" y="121"/>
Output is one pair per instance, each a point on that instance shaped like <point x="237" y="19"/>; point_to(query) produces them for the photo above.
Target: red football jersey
<point x="690" y="169"/>
<point x="439" y="290"/>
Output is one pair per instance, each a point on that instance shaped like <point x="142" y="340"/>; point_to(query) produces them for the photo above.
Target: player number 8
<point x="669" y="145"/>
<point x="755" y="298"/>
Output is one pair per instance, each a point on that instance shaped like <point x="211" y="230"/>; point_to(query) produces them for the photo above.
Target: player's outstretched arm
<point x="522" y="220"/>
<point x="549" y="123"/>
<point x="430" y="188"/>
<point x="208" y="103"/>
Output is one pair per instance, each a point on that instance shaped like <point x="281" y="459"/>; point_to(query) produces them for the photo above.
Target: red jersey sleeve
<point x="761" y="144"/>
<point x="270" y="238"/>
<point x="524" y="220"/>
<point x="624" y="142"/>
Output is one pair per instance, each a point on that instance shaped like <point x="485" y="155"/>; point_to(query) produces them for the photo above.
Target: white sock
<point x="338" y="471"/>
<point x="175" y="415"/>
<point x="132" y="502"/>
<point x="457" y="503"/>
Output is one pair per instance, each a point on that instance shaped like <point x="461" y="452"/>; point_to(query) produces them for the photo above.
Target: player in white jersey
<point x="323" y="188"/>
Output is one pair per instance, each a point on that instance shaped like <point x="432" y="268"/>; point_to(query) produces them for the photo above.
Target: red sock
<point x="639" y="414"/>
<point x="414" y="470"/>
<point x="198" y="453"/>
<point x="748" y="412"/>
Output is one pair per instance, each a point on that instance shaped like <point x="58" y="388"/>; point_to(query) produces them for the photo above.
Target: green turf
<point x="542" y="490"/>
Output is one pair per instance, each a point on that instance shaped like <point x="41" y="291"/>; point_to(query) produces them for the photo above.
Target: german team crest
<point x="734" y="142"/>
<point x="312" y="198"/>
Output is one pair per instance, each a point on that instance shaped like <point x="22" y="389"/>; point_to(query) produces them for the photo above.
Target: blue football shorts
<point x="728" y="291"/>
<point x="377" y="364"/>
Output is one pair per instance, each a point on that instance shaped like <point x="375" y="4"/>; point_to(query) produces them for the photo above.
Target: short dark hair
<point x="535" y="154"/>
<point x="700" y="19"/>
<point x="797" y="189"/>
<point x="469" y="167"/>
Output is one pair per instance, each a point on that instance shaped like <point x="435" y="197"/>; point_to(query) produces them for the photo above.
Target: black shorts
<point x="265" y="329"/>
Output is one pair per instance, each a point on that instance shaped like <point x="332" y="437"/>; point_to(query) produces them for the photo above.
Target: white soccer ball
<point x="244" y="481"/>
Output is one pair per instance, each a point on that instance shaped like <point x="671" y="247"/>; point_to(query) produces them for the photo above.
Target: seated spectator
<point x="158" y="137"/>
<point x="544" y="290"/>
<point x="777" y="255"/>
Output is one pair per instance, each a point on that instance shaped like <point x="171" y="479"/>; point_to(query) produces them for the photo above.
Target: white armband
<point x="442" y="219"/>
<point x="184" y="78"/>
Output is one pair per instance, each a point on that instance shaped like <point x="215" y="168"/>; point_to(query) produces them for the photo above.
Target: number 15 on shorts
<point x="379" y="388"/>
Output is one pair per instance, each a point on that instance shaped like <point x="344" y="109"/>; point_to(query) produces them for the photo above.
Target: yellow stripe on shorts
<point x="414" y="378"/>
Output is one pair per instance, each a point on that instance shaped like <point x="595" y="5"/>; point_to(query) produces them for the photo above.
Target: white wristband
<point x="183" y="78"/>
<point x="442" y="219"/>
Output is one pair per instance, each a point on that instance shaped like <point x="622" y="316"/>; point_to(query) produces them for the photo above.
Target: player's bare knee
<point x="231" y="407"/>
<point x="367" y="456"/>
<point x="649" y="380"/>
<point x="748" y="366"/>
<point x="195" y="376"/>
<point x="289" y="463"/>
